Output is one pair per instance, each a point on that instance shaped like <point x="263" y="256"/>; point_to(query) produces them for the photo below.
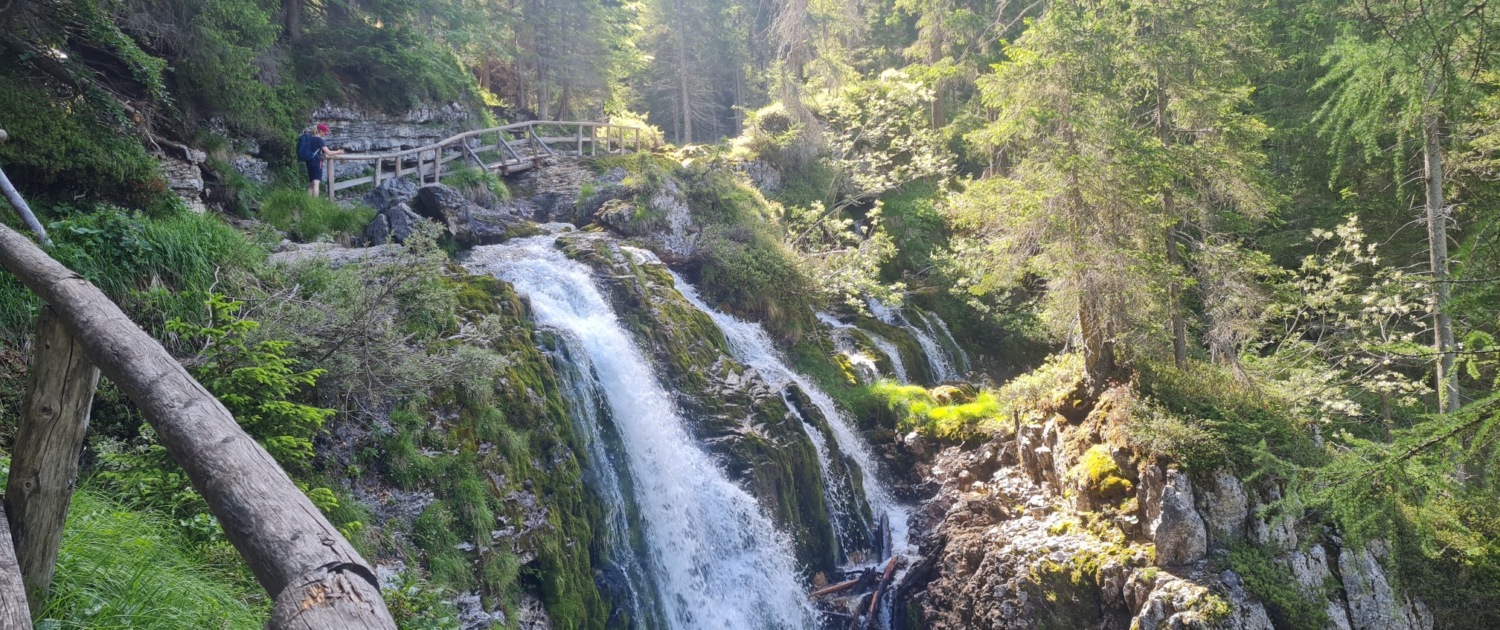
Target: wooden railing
<point x="314" y="577"/>
<point x="503" y="150"/>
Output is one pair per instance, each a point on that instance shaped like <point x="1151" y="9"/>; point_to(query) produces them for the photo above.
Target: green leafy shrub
<point x="944" y="412"/>
<point x="67" y="145"/>
<point x="255" y="382"/>
<point x="309" y="218"/>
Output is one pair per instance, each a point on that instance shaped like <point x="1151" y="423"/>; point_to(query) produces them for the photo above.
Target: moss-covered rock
<point x="740" y="419"/>
<point x="511" y="512"/>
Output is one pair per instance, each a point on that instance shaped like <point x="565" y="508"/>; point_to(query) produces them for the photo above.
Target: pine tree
<point x="1409" y="71"/>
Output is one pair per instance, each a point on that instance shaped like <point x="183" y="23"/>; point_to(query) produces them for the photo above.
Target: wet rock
<point x="394" y="224"/>
<point x="1224" y="508"/>
<point x="531" y="614"/>
<point x="1178" y="531"/>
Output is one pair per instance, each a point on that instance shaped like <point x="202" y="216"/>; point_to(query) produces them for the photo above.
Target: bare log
<point x="841" y="586"/>
<point x="14" y="613"/>
<point x="282" y="536"/>
<point x="873" y="620"/>
<point x="49" y="438"/>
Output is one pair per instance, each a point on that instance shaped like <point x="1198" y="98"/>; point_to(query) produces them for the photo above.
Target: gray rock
<point x="1148" y="496"/>
<point x="1179" y="532"/>
<point x="1224" y="507"/>
<point x="379" y="230"/>
<point x="1373" y="605"/>
<point x="403" y="221"/>
<point x="186" y="180"/>
<point x="253" y="169"/>
<point x="1248" y="614"/>
<point x="468" y="224"/>
<point x="364" y="131"/>
<point x="391" y="192"/>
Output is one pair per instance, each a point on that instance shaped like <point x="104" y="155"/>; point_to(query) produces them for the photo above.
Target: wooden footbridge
<point x="502" y="150"/>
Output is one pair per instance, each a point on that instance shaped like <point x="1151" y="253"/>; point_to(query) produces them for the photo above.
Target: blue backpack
<point x="305" y="150"/>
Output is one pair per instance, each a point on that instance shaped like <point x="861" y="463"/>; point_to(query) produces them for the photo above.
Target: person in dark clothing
<point x="311" y="149"/>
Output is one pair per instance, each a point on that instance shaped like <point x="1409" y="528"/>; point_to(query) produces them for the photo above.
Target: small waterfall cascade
<point x="943" y="370"/>
<point x="960" y="357"/>
<point x="881" y="343"/>
<point x="750" y="344"/>
<point x="716" y="560"/>
<point x="607" y="474"/>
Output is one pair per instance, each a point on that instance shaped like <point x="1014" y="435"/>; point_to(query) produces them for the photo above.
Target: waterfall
<point x="959" y="356"/>
<point x="881" y="343"/>
<point x="607" y="475"/>
<point x="750" y="344"/>
<point x="717" y="561"/>
<point x="937" y="356"/>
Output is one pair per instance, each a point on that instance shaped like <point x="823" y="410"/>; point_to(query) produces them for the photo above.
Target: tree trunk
<point x="1169" y="209"/>
<point x="1174" y="291"/>
<point x="1437" y="238"/>
<point x="682" y="83"/>
<point x="292" y="12"/>
<point x="44" y="461"/>
<point x="296" y="555"/>
<point x="1093" y="327"/>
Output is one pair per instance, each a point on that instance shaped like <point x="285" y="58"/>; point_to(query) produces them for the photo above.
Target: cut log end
<point x="331" y="598"/>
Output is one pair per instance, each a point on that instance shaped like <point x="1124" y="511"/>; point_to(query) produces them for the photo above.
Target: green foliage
<point x="153" y="267"/>
<point x="256" y="382"/>
<point x="309" y="218"/>
<point x="120" y="568"/>
<point x="947" y="413"/>
<point x="394" y="67"/>
<point x="1208" y="417"/>
<point x="417" y="605"/>
<point x="478" y="185"/>
<point x="60" y="141"/>
<point x="1272" y="583"/>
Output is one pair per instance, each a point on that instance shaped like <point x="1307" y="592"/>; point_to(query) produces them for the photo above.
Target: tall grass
<point x="150" y="266"/>
<point x="124" y="569"/>
<point x="309" y="218"/>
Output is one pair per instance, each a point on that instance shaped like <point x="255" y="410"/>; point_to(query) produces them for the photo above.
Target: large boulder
<point x="391" y="192"/>
<point x="1224" y="507"/>
<point x="1180" y="535"/>
<point x="394" y="224"/>
<point x="468" y="224"/>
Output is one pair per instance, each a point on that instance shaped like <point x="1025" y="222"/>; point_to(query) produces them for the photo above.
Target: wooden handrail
<point x="534" y="143"/>
<point x="313" y="575"/>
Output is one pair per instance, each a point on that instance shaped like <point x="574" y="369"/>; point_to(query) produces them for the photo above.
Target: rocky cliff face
<point x="1059" y="527"/>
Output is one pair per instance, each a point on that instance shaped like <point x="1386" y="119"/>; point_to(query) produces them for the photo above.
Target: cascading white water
<point x="881" y="343"/>
<point x="750" y="344"/>
<point x="717" y="560"/>
<point x="937" y="357"/>
<point x="956" y="352"/>
<point x="581" y="389"/>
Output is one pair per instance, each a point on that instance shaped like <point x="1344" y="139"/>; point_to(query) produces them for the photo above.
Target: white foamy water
<point x="750" y="344"/>
<point x="718" y="562"/>
<point x="937" y="356"/>
<point x="881" y="343"/>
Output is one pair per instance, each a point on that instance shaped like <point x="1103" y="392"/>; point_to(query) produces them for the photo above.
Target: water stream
<point x="750" y="344"/>
<point x="937" y="356"/>
<point x="715" y="558"/>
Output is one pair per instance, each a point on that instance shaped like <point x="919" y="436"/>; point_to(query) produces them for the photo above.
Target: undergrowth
<point x="310" y="218"/>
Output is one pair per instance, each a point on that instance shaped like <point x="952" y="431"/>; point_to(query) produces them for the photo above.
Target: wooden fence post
<point x="14" y="613"/>
<point x="302" y="561"/>
<point x="49" y="438"/>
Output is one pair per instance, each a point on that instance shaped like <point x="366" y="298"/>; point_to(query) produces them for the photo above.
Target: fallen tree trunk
<point x="282" y="536"/>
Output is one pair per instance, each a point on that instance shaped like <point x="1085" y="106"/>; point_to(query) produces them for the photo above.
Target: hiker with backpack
<point x="311" y="149"/>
